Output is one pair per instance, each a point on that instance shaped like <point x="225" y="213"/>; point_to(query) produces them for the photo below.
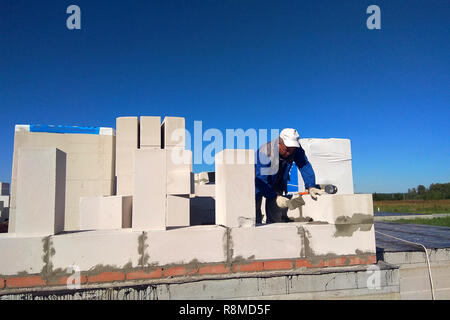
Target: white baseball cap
<point x="290" y="137"/>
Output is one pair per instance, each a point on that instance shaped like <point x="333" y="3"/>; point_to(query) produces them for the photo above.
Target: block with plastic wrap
<point x="90" y="163"/>
<point x="331" y="160"/>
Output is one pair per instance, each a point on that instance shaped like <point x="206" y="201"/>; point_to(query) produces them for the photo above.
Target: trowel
<point x="328" y="188"/>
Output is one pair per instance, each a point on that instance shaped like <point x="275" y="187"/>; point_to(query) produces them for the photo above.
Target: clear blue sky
<point x="312" y="65"/>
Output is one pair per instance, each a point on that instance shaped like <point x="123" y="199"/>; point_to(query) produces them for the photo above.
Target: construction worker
<point x="273" y="164"/>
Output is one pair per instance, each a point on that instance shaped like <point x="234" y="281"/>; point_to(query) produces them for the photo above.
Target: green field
<point x="413" y="206"/>
<point x="442" y="222"/>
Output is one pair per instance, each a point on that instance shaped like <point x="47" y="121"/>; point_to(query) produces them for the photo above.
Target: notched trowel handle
<point x="328" y="188"/>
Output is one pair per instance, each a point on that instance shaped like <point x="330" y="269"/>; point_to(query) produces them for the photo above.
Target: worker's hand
<point x="314" y="192"/>
<point x="296" y="202"/>
<point x="282" y="202"/>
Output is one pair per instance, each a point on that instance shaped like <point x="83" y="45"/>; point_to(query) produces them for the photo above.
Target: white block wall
<point x="329" y="239"/>
<point x="339" y="208"/>
<point x="273" y="241"/>
<point x="96" y="249"/>
<point x="185" y="245"/>
<point x="21" y="254"/>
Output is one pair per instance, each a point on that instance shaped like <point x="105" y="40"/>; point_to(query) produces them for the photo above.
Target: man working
<point x="273" y="164"/>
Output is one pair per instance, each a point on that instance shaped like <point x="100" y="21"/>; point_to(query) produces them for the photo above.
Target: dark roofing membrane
<point x="391" y="214"/>
<point x="432" y="237"/>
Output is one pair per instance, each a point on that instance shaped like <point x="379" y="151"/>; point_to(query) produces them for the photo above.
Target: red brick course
<point x="178" y="271"/>
<point x="141" y="274"/>
<point x="249" y="267"/>
<point x="107" y="277"/>
<point x="25" y="282"/>
<point x="277" y="265"/>
<point x="62" y="281"/>
<point x="214" y="269"/>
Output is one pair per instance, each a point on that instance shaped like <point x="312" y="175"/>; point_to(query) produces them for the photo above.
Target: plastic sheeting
<point x="64" y="129"/>
<point x="331" y="160"/>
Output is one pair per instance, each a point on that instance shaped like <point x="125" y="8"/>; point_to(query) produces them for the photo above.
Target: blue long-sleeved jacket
<point x="266" y="169"/>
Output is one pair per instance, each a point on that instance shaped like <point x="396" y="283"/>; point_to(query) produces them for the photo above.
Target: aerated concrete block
<point x="20" y="254"/>
<point x="127" y="131"/>
<point x="339" y="208"/>
<point x="179" y="167"/>
<point x="97" y="250"/>
<point x="205" y="190"/>
<point x="173" y="133"/>
<point x="75" y="189"/>
<point x="178" y="211"/>
<point x="150" y="132"/>
<point x="90" y="166"/>
<point x="336" y="240"/>
<point x="125" y="184"/>
<point x="41" y="189"/>
<point x="203" y="244"/>
<point x="104" y="213"/>
<point x="149" y="198"/>
<point x="272" y="241"/>
<point x="235" y="188"/>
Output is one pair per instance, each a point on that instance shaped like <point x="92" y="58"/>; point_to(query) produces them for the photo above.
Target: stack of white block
<point x="90" y="167"/>
<point x="134" y="137"/>
<point x="162" y="178"/>
<point x="346" y="224"/>
<point x="332" y="163"/>
<point x="179" y="171"/>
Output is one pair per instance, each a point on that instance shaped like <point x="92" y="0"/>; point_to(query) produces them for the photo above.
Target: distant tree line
<point x="436" y="191"/>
